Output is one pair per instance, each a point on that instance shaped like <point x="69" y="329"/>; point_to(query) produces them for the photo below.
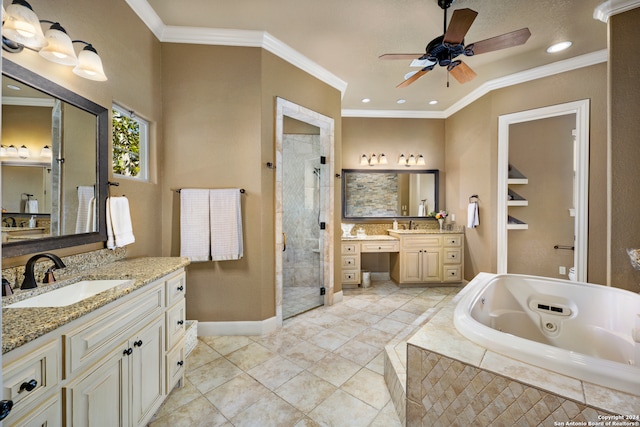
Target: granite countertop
<point x="372" y="237"/>
<point x="21" y="325"/>
<point x="456" y="230"/>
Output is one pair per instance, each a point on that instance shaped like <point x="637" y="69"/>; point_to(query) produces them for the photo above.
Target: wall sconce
<point x="411" y="161"/>
<point x="21" y="28"/>
<point x="374" y="160"/>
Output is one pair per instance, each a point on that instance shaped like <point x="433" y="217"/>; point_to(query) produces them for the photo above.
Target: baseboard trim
<point x="337" y="297"/>
<point x="247" y="328"/>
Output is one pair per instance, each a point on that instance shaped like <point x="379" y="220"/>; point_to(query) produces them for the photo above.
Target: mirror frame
<point x="435" y="172"/>
<point x="38" y="82"/>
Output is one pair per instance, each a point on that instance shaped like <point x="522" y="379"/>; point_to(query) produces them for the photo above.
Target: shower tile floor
<point x="322" y="368"/>
<point x="296" y="300"/>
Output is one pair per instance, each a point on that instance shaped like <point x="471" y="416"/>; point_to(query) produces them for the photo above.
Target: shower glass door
<point x="302" y="212"/>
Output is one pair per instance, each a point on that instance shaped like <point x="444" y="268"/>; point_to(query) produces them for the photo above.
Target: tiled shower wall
<point x="443" y="391"/>
<point x="301" y="192"/>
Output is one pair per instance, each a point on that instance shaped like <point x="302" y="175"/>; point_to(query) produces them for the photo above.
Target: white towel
<point x="119" y="228"/>
<point x="473" y="216"/>
<point x="226" y="224"/>
<point x="84" y="219"/>
<point x="195" y="231"/>
<point x="31" y="206"/>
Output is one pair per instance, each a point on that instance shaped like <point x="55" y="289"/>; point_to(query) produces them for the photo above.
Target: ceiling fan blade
<point x="461" y="21"/>
<point x="463" y="73"/>
<point x="401" y="56"/>
<point x="415" y="77"/>
<point x="514" y="38"/>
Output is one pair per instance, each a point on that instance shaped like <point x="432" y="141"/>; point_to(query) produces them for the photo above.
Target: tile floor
<point x="323" y="368"/>
<point x="296" y="300"/>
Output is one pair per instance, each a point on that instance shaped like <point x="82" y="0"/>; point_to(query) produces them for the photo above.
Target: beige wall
<point x="471" y="159"/>
<point x="219" y="121"/>
<point x="624" y="125"/>
<point x="131" y="60"/>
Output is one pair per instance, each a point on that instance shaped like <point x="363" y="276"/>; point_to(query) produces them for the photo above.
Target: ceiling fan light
<point x="21" y="25"/>
<point x="59" y="48"/>
<point x="558" y="47"/>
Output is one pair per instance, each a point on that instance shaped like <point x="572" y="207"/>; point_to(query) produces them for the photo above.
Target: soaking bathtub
<point x="586" y="331"/>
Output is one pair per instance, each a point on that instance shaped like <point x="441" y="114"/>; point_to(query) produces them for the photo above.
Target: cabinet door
<point x="148" y="371"/>
<point x="101" y="398"/>
<point x="432" y="265"/>
<point x="411" y="271"/>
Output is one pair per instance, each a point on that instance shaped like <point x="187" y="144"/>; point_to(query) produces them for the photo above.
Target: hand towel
<point x="473" y="215"/>
<point x="31" y="206"/>
<point x="84" y="218"/>
<point x="119" y="228"/>
<point x="195" y="230"/>
<point x="226" y="224"/>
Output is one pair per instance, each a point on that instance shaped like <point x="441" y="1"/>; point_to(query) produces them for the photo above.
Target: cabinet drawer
<point x="350" y="277"/>
<point x="452" y="273"/>
<point x="350" y="248"/>
<point x="453" y="241"/>
<point x="175" y="366"/>
<point x="91" y="341"/>
<point x="350" y="262"/>
<point x="452" y="256"/>
<point x="421" y="242"/>
<point x="176" y="321"/>
<point x="47" y="413"/>
<point x="176" y="288"/>
<point x="380" y="246"/>
<point x="37" y="370"/>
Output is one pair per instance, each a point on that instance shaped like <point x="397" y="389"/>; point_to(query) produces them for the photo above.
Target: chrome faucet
<point x="29" y="281"/>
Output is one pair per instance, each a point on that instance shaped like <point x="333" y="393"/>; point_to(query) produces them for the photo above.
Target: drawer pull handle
<point x="127" y="352"/>
<point x="180" y="288"/>
<point x="138" y="343"/>
<point x="180" y="322"/>
<point x="30" y="385"/>
<point x="5" y="408"/>
<point x="180" y="363"/>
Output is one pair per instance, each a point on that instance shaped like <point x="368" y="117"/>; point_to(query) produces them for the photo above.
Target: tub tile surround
<point x="452" y="380"/>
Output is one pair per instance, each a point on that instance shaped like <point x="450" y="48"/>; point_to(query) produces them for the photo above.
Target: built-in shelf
<point x="514" y="199"/>
<point x="516" y="177"/>
<point x="515" y="224"/>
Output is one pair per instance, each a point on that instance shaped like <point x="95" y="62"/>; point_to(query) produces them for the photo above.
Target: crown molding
<point x="231" y="37"/>
<point x="612" y="7"/>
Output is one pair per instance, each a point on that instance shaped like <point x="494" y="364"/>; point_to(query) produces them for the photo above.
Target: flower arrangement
<point x="441" y="215"/>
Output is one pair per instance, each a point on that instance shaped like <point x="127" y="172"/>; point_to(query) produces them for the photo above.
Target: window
<point x="130" y="144"/>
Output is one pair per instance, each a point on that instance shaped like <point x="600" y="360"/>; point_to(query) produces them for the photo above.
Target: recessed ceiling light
<point x="433" y="102"/>
<point x="365" y="100"/>
<point x="559" y="47"/>
<point x="14" y="87"/>
<point x="401" y="101"/>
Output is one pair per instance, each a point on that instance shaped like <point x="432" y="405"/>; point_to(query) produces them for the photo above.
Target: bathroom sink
<point x="70" y="294"/>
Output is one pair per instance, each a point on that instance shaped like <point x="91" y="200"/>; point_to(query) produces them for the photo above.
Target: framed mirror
<point x="389" y="194"/>
<point x="52" y="197"/>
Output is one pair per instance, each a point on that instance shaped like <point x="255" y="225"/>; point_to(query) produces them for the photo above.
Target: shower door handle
<point x="284" y="242"/>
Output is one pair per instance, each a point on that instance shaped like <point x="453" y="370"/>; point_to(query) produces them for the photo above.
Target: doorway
<point x="574" y="208"/>
<point x="304" y="203"/>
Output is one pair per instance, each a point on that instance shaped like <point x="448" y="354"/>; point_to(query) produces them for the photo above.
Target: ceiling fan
<point x="444" y="49"/>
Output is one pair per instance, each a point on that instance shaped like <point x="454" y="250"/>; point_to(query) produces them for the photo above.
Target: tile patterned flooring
<point x="323" y="368"/>
<point x="296" y="300"/>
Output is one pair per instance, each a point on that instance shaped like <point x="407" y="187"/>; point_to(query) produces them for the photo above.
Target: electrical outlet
<point x="562" y="270"/>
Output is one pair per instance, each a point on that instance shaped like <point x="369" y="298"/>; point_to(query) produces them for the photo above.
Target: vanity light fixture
<point x="46" y="152"/>
<point x="89" y="63"/>
<point x="420" y="161"/>
<point x="23" y="152"/>
<point x="382" y="159"/>
<point x="364" y="161"/>
<point x="59" y="49"/>
<point x="373" y="160"/>
<point x="12" y="151"/>
<point x="402" y="160"/>
<point x="411" y="161"/>
<point x="21" y="28"/>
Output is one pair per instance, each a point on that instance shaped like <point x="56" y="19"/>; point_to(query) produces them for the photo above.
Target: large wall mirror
<point x="53" y="163"/>
<point x="389" y="194"/>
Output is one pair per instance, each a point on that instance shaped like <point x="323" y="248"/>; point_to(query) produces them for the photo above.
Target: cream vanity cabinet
<point x="353" y="249"/>
<point x="106" y="368"/>
<point x="428" y="258"/>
